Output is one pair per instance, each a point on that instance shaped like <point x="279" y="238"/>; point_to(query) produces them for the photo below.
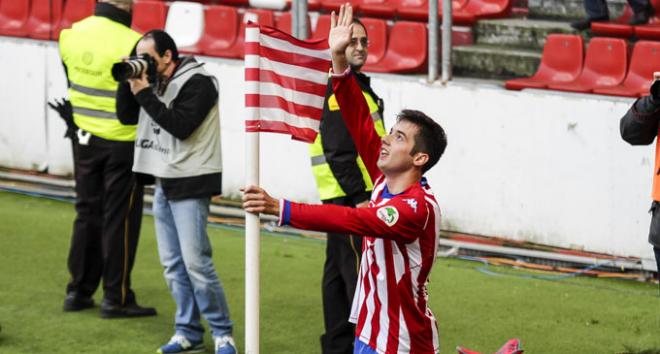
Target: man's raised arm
<point x="353" y="107"/>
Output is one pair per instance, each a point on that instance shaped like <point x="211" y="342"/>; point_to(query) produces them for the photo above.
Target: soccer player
<point x="400" y="226"/>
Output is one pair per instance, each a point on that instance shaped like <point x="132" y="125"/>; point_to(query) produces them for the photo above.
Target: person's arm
<point x="353" y="107"/>
<point x="128" y="109"/>
<point x="396" y="220"/>
<point x="639" y="126"/>
<point x="188" y="110"/>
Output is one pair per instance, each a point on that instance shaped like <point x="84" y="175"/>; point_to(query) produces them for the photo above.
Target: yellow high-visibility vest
<point x="88" y="50"/>
<point x="327" y="184"/>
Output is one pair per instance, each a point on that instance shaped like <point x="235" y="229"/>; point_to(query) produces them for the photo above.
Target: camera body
<point x="133" y="68"/>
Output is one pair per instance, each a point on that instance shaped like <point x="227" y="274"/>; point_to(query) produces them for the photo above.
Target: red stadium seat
<point x="149" y="15"/>
<point x="333" y="5"/>
<point x="480" y="9"/>
<point x="377" y="32"/>
<point x="561" y="62"/>
<point x="406" y="49"/>
<point x="322" y="27"/>
<point x="379" y="8"/>
<point x="604" y="66"/>
<point x="14" y="17"/>
<point x="44" y="17"/>
<point x="74" y="11"/>
<point x="643" y="62"/>
<point x="237" y="50"/>
<point x="285" y="21"/>
<point x="616" y="28"/>
<point x="418" y="10"/>
<point x="221" y="25"/>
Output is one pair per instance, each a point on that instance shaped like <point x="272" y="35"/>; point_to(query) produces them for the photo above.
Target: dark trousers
<point x="340" y="274"/>
<point x="107" y="225"/>
<point x="597" y="9"/>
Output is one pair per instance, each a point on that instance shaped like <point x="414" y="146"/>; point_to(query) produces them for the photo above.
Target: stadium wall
<point x="539" y="166"/>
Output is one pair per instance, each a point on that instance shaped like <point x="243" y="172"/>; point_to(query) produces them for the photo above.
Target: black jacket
<point x="338" y="146"/>
<point x="185" y="114"/>
<point x="639" y="126"/>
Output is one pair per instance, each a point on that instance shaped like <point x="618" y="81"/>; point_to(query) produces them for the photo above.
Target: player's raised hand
<point x="341" y="30"/>
<point x="256" y="200"/>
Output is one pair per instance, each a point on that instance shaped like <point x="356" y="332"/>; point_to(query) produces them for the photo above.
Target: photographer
<point x="178" y="143"/>
<point x="108" y="199"/>
<point x="640" y="127"/>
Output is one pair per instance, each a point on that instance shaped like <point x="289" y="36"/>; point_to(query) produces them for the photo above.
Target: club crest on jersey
<point x="388" y="214"/>
<point x="412" y="202"/>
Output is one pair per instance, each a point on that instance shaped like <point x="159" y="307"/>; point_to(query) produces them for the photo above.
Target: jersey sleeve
<point x="357" y="116"/>
<point x="400" y="219"/>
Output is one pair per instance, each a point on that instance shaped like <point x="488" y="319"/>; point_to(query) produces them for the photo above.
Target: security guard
<point x="342" y="179"/>
<point x="108" y="199"/>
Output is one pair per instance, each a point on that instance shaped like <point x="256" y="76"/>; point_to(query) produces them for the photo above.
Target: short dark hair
<point x="358" y="22"/>
<point x="430" y="138"/>
<point x="163" y="42"/>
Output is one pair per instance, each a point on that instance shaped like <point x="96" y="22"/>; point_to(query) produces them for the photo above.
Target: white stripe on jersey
<point x="383" y="316"/>
<point x="404" y="338"/>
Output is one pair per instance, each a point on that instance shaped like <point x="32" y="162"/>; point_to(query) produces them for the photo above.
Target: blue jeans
<point x="185" y="253"/>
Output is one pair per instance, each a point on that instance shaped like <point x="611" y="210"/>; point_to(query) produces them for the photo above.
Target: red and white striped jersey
<point x="390" y="307"/>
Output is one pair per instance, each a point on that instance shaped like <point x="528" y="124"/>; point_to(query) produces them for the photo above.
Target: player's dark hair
<point x="430" y="138"/>
<point x="162" y="43"/>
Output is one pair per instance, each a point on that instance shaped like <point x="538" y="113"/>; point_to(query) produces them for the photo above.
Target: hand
<point x="140" y="84"/>
<point x="256" y="200"/>
<point x="65" y="110"/>
<point x="341" y="30"/>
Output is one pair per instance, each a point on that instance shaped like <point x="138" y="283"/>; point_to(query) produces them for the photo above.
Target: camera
<point x="134" y="67"/>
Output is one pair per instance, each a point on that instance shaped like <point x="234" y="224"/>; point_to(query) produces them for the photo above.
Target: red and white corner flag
<point x="286" y="81"/>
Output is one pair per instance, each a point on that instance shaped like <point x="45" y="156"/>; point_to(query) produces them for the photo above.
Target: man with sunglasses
<point x="342" y="179"/>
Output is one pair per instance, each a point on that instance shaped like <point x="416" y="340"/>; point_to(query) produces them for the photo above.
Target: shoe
<point x="110" y="310"/>
<point x="180" y="344"/>
<point x="584" y="24"/>
<point x="74" y="302"/>
<point x="225" y="345"/>
<point x="642" y="17"/>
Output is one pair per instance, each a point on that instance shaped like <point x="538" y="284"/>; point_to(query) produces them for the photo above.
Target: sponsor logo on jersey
<point x="388" y="214"/>
<point x="412" y="202"/>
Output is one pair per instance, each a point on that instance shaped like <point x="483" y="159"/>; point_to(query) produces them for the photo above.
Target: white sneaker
<point x="225" y="345"/>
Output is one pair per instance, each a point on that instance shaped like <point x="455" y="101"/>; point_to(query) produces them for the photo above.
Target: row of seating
<point x="41" y="19"/>
<point x="605" y="68"/>
<point x="620" y="27"/>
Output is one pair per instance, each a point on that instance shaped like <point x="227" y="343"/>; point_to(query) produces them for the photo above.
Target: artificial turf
<point x="475" y="310"/>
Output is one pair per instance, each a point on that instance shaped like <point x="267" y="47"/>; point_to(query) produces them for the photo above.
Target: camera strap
<point x="83" y="137"/>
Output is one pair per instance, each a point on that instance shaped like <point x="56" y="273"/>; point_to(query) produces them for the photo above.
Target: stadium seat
<point x="406" y="49"/>
<point x="220" y="30"/>
<point x="418" y="10"/>
<point x="149" y="15"/>
<point x="276" y="5"/>
<point x="242" y="3"/>
<point x="285" y="21"/>
<point x="14" y="17"/>
<point x="604" y="66"/>
<point x="74" y="11"/>
<point x="44" y="17"/>
<point x="237" y="50"/>
<point x="322" y="27"/>
<point x="377" y="31"/>
<point x="643" y="62"/>
<point x="561" y="62"/>
<point x="477" y="9"/>
<point x="185" y="23"/>
<point x="333" y="5"/>
<point x="617" y="28"/>
<point x="379" y="8"/>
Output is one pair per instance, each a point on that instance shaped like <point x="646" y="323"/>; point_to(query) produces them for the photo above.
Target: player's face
<point x="395" y="151"/>
<point x="357" y="51"/>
